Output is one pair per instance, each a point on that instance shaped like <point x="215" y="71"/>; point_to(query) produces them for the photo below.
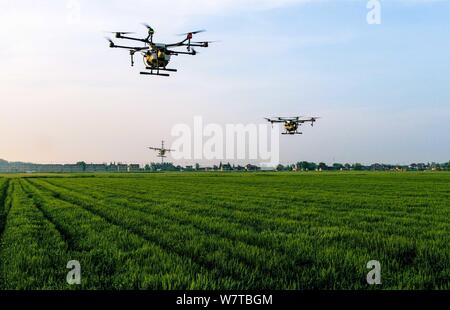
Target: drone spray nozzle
<point x="132" y="57"/>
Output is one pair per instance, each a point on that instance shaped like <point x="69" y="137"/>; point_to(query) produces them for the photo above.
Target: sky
<point x="382" y="90"/>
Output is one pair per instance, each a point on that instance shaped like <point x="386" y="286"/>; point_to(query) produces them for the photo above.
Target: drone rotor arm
<point x="181" y="43"/>
<point x="137" y="49"/>
<point x="274" y="120"/>
<point x="133" y="39"/>
<point x="176" y="53"/>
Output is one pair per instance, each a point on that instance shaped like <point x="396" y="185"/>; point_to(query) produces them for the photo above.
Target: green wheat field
<point x="226" y="230"/>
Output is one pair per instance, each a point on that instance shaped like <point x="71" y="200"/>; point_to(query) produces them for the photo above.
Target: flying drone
<point x="161" y="151"/>
<point x="291" y="124"/>
<point x="157" y="55"/>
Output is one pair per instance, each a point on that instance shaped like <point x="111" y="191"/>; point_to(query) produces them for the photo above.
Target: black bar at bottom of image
<point x="213" y="299"/>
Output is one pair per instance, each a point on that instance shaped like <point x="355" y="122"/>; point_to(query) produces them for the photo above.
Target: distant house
<point x="377" y="167"/>
<point x="95" y="168"/>
<point x="122" y="168"/>
<point x="225" y="167"/>
<point x="134" y="168"/>
<point x="268" y="168"/>
<point x="251" y="167"/>
<point x="72" y="168"/>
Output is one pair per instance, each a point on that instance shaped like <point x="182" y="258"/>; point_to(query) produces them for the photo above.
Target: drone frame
<point x="299" y="120"/>
<point x="187" y="42"/>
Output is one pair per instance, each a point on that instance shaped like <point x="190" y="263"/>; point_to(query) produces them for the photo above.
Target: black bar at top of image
<point x="152" y="299"/>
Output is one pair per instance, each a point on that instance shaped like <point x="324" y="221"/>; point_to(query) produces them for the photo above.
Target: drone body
<point x="291" y="124"/>
<point x="157" y="56"/>
<point x="161" y="151"/>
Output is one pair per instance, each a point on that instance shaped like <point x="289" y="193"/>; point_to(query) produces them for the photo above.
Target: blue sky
<point x="382" y="90"/>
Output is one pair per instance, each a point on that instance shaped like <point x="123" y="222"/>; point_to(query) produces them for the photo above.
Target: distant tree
<point x="147" y="167"/>
<point x="197" y="166"/>
<point x="82" y="164"/>
<point x="280" y="167"/>
<point x="357" y="167"/>
<point x="323" y="166"/>
<point x="338" y="166"/>
<point x="312" y="166"/>
<point x="303" y="165"/>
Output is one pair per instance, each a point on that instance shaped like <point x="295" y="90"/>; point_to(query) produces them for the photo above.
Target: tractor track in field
<point x="75" y="248"/>
<point x="201" y="263"/>
<point x="68" y="239"/>
<point x="260" y="245"/>
<point x="4" y="206"/>
<point x="219" y="216"/>
<point x="188" y="222"/>
<point x="111" y="221"/>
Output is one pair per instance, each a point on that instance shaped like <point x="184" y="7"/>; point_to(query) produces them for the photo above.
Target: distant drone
<point x="161" y="151"/>
<point x="157" y="55"/>
<point x="291" y="124"/>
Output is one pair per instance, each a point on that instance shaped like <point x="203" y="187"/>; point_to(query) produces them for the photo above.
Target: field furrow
<point x="32" y="253"/>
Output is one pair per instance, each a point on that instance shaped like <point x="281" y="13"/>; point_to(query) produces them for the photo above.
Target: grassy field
<point x="227" y="231"/>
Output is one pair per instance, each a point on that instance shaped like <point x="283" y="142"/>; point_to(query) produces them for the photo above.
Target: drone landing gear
<point x="157" y="71"/>
<point x="292" y="133"/>
<point x="151" y="73"/>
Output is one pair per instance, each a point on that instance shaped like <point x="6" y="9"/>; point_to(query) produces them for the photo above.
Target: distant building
<point x="95" y="168"/>
<point x="225" y="167"/>
<point x="112" y="168"/>
<point x="134" y="168"/>
<point x="122" y="168"/>
<point x="72" y="168"/>
<point x="250" y="167"/>
<point x="377" y="167"/>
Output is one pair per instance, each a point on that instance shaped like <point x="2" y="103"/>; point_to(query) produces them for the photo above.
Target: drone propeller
<point x="111" y="43"/>
<point x="313" y="120"/>
<point x="120" y="33"/>
<point x="150" y="29"/>
<point x="206" y="43"/>
<point x="191" y="33"/>
<point x="151" y="32"/>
